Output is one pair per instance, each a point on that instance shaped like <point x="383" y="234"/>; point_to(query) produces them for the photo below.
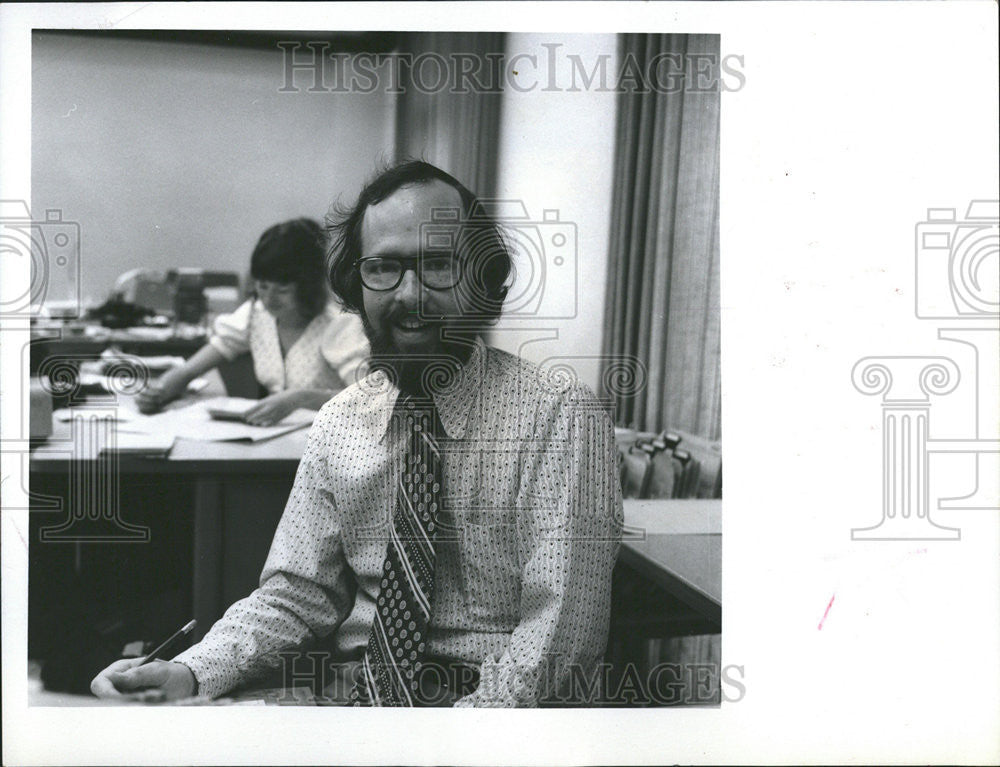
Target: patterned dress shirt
<point x="522" y="589"/>
<point x="327" y="355"/>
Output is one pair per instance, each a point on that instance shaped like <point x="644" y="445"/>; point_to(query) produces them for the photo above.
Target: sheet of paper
<point x="153" y="362"/>
<point x="194" y="422"/>
<point x="65" y="414"/>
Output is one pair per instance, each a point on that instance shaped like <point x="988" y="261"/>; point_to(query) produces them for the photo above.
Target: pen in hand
<point x="155" y="654"/>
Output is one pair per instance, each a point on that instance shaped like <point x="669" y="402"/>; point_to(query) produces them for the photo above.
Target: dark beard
<point x="423" y="374"/>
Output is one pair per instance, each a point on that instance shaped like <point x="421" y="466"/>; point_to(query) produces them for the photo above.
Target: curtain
<point x="662" y="302"/>
<point x="458" y="132"/>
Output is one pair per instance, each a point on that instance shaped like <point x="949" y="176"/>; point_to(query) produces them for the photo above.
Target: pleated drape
<point x="459" y="132"/>
<point x="662" y="302"/>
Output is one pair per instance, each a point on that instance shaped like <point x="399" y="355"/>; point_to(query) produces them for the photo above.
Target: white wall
<point x="557" y="152"/>
<point x="175" y="154"/>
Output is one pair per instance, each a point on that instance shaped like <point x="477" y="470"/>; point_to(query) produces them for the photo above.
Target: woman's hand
<point x="159" y="680"/>
<point x="173" y="383"/>
<point x="272" y="409"/>
<point x="165" y="389"/>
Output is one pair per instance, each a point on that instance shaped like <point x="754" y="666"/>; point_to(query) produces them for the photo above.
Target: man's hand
<point x="272" y="409"/>
<point x="161" y="391"/>
<point x="160" y="680"/>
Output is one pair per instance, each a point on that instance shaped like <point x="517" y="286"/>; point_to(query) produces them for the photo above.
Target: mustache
<point x="402" y="313"/>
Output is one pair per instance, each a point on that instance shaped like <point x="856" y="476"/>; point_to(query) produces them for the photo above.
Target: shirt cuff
<point x="211" y="679"/>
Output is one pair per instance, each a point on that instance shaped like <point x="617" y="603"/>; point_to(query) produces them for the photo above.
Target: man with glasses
<point x="456" y="514"/>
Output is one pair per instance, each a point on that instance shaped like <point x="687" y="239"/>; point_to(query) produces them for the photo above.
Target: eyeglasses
<point x="386" y="272"/>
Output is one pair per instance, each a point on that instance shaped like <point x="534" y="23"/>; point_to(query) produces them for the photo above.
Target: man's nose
<point x="408" y="290"/>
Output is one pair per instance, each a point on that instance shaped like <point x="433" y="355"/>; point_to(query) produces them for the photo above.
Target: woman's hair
<point x="481" y="247"/>
<point x="294" y="252"/>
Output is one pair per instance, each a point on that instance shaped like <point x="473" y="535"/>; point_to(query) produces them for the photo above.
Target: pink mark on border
<point x="826" y="612"/>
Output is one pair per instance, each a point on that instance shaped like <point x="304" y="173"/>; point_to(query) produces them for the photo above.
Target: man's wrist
<point x="192" y="678"/>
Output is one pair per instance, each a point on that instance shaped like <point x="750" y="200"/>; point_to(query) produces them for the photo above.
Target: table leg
<point x="207" y="578"/>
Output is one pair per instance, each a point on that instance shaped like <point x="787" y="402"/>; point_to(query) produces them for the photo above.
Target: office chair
<point x="671" y="464"/>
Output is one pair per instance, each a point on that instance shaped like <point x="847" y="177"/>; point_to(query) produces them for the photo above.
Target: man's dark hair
<point x="484" y="254"/>
<point x="294" y="252"/>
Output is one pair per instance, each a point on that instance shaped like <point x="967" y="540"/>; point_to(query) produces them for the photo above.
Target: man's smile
<point x="411" y="330"/>
<point x="412" y="324"/>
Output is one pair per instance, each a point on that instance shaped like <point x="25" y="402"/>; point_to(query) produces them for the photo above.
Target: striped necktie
<point x="399" y="632"/>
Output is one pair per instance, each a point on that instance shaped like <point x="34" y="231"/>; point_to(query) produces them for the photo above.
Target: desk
<point x="666" y="607"/>
<point x="680" y="550"/>
<point x="55" y="350"/>
<point x="62" y="342"/>
<point x="39" y="696"/>
<point x="240" y="491"/>
<point x="229" y="480"/>
<point x="677" y="553"/>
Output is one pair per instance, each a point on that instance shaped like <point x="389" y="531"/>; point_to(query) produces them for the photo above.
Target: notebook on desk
<point x="231" y="408"/>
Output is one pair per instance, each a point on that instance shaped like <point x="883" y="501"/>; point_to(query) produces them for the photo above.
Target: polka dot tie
<point x="396" y="644"/>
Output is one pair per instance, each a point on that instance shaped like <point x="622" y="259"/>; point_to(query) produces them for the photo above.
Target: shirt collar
<point x="454" y="403"/>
